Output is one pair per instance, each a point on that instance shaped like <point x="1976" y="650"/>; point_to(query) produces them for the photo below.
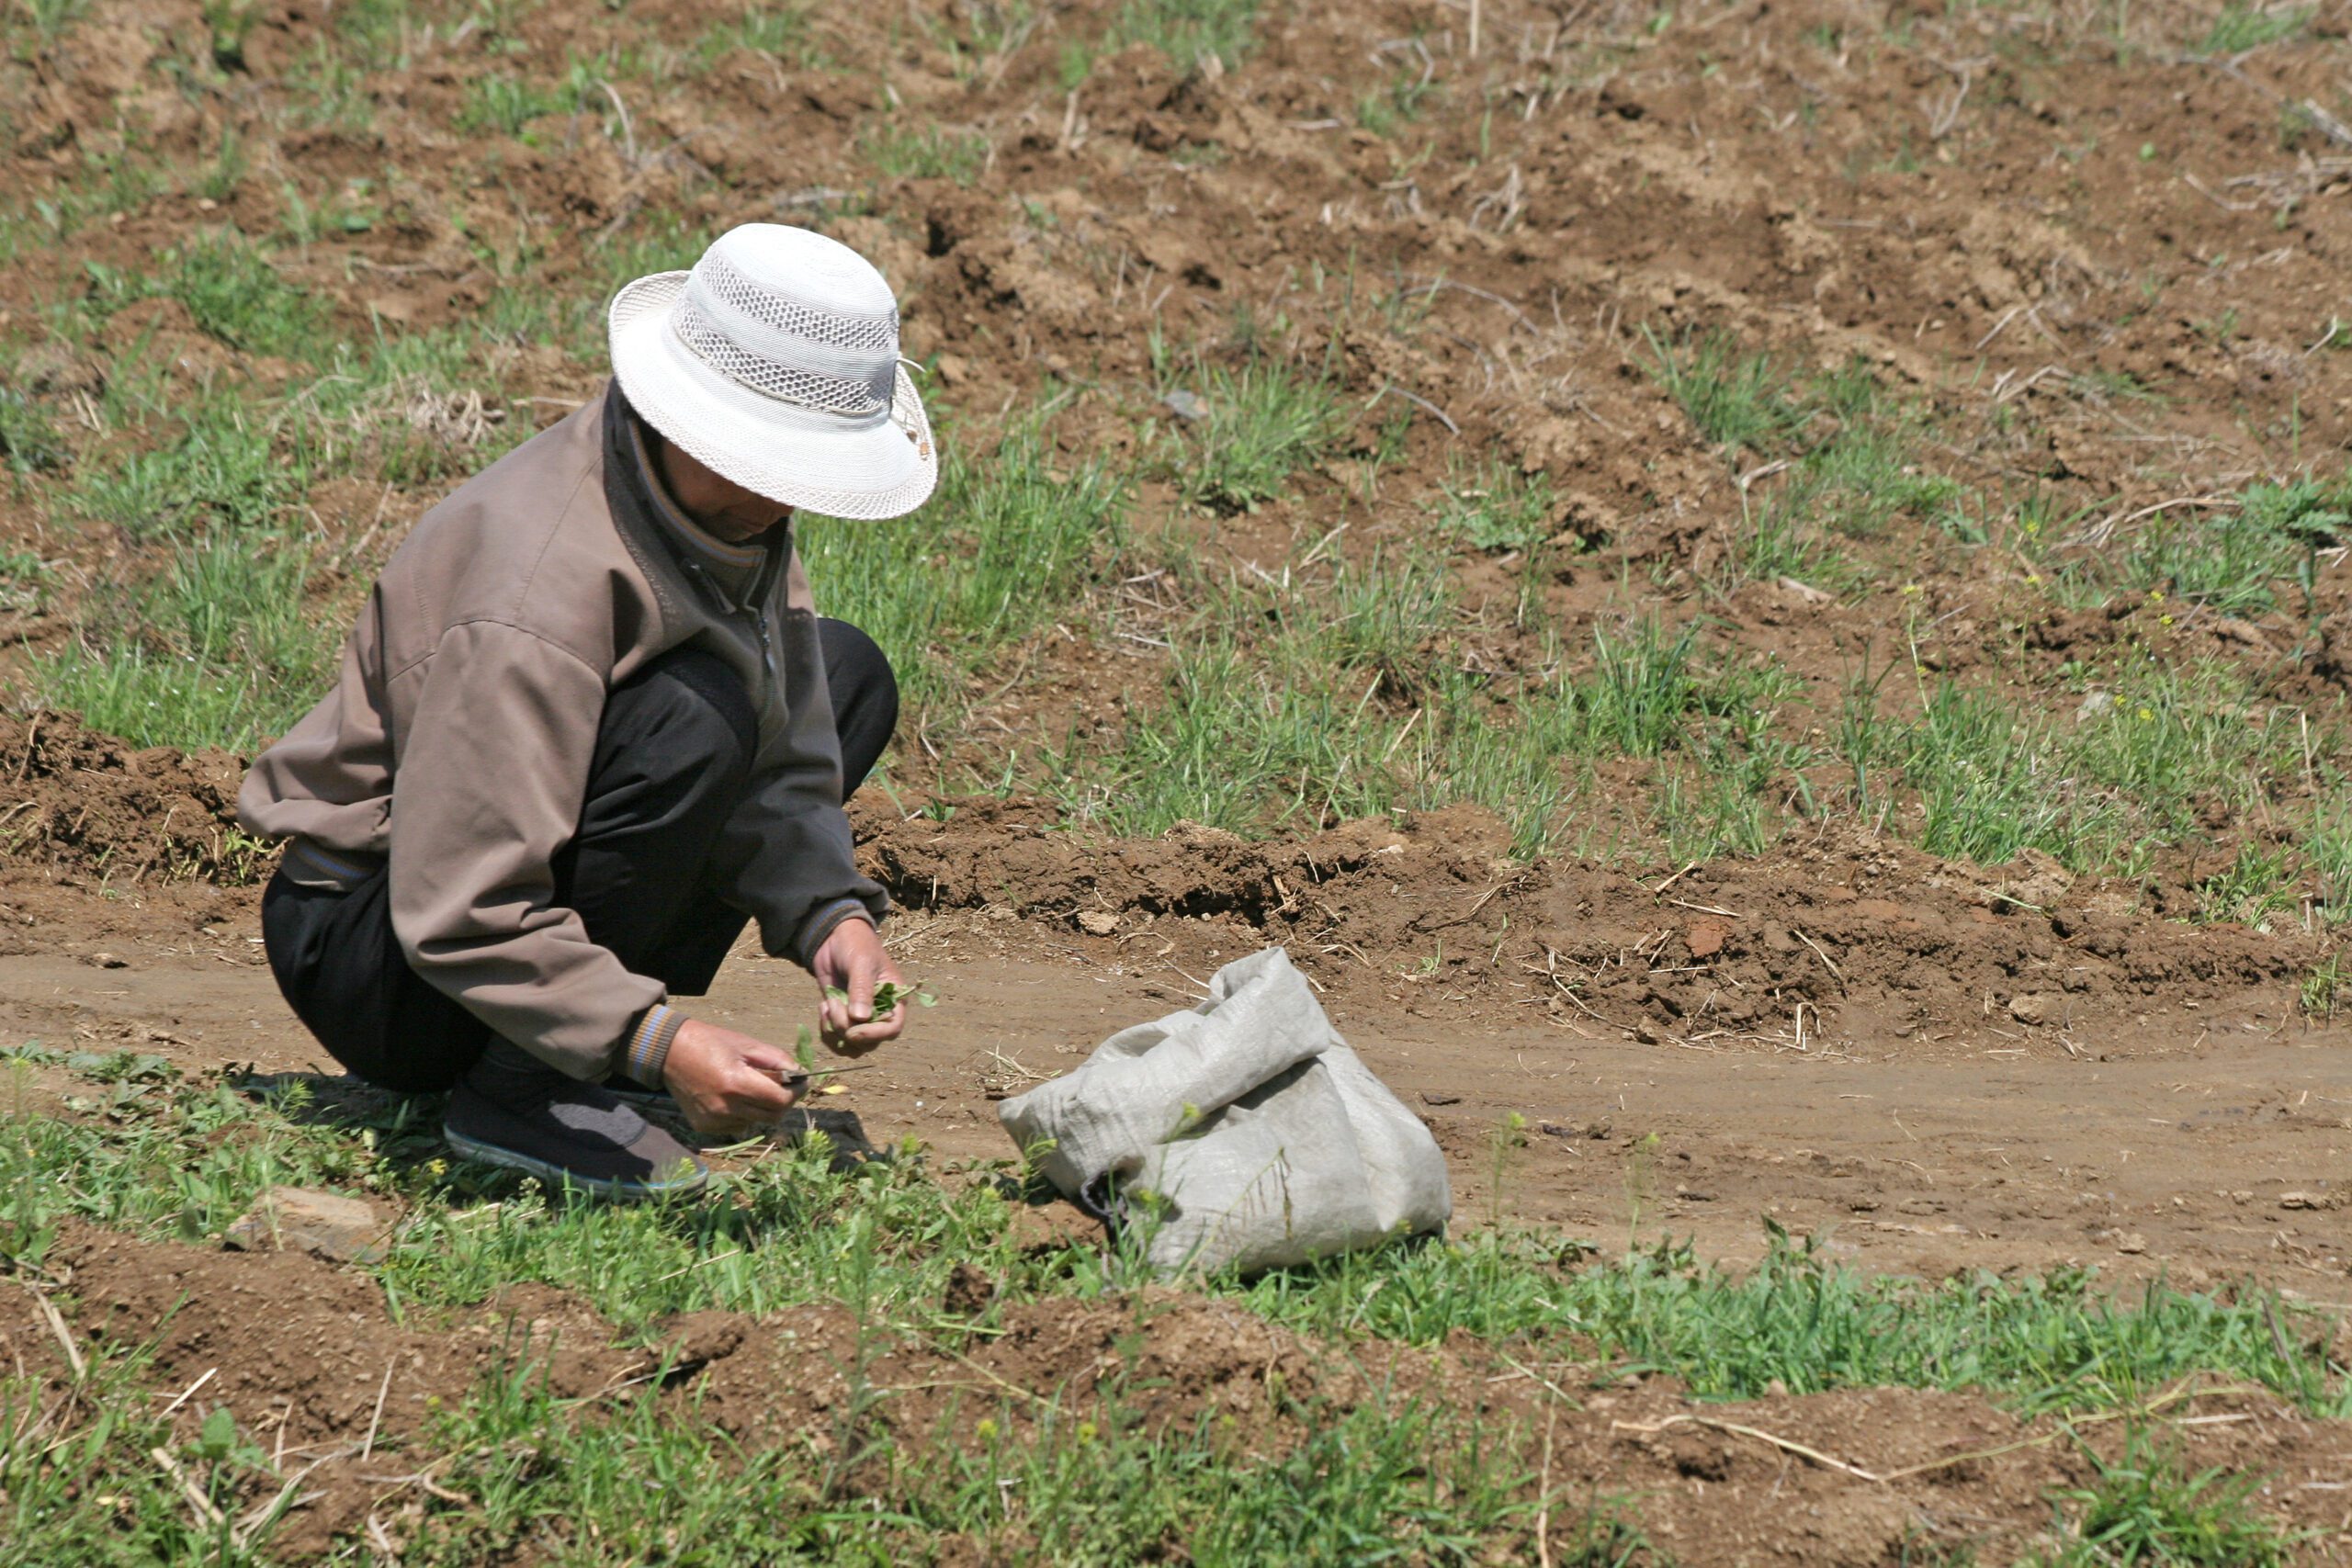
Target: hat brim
<point x="876" y="466"/>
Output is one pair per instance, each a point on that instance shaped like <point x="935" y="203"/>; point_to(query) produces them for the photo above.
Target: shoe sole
<point x="617" y="1189"/>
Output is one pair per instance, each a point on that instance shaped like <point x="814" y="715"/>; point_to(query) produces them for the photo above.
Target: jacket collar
<point x="737" y="570"/>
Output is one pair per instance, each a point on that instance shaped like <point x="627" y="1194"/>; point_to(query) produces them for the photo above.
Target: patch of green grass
<point x="2232" y="559"/>
<point x="2241" y="27"/>
<point x="2327" y="850"/>
<point x="235" y="295"/>
<point x="50" y="19"/>
<point x="1287" y="707"/>
<point x="28" y="441"/>
<point x="925" y="152"/>
<point x="1494" y="507"/>
<point x="230" y="23"/>
<point x="1380" y="109"/>
<point x="2147" y="1506"/>
<point x="1733" y="397"/>
<point x="2258" y="882"/>
<point x="504" y="103"/>
<point x="1868" y="474"/>
<point x="230" y="289"/>
<point x="1257" y="425"/>
<point x="24" y="582"/>
<point x="1780" y="536"/>
<point x="1185" y="30"/>
<point x="225" y="467"/>
<point x="1990" y="779"/>
<point x="2324" y="988"/>
<point x="779" y="30"/>
<point x="2057" y="1343"/>
<point x="221" y="649"/>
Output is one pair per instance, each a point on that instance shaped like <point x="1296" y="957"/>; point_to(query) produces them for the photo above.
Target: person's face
<point x="721" y="505"/>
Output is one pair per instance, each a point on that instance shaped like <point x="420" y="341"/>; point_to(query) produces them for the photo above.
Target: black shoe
<point x="629" y="1091"/>
<point x="514" y="1111"/>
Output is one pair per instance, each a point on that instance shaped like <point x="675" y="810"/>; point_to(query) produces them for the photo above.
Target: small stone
<point x="1097" y="922"/>
<point x="1441" y="1100"/>
<point x="2030" y="1009"/>
<point x="2302" y="1201"/>
<point x="2133" y="1242"/>
<point x="2095" y="704"/>
<point x="301" y="1219"/>
<point x="106" y="960"/>
<point x="1185" y="405"/>
<point x="1707" y="937"/>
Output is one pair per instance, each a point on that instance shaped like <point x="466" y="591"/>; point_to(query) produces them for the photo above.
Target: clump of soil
<point x="294" y="1342"/>
<point x="1871" y="939"/>
<point x="84" y="803"/>
<point x="1165" y="1357"/>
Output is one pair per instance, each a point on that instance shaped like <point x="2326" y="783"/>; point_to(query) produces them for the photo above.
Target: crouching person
<point x="588" y="724"/>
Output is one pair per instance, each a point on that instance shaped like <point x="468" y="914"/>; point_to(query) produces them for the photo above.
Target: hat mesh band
<point x="803" y="388"/>
<point x="834" y="328"/>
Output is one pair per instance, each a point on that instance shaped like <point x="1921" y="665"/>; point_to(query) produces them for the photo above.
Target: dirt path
<point x="2219" y="1153"/>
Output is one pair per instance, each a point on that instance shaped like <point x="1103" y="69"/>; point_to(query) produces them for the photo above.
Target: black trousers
<point x="672" y="760"/>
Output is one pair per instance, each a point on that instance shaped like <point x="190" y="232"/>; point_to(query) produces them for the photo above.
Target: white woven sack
<point x="1245" y="1128"/>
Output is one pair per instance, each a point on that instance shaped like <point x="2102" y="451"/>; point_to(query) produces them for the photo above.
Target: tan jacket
<point x="457" y="740"/>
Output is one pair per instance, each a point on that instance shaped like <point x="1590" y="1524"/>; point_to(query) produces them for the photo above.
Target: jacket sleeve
<point x="790" y="840"/>
<point x="488" y="787"/>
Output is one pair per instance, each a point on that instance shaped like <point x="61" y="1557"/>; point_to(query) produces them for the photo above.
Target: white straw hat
<point x="774" y="363"/>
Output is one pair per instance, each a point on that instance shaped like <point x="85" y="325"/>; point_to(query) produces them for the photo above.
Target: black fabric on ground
<point x="672" y="759"/>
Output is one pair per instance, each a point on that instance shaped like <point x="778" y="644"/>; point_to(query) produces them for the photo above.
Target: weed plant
<point x="2148" y="1506"/>
<point x="1186" y="31"/>
<point x="1493" y="507"/>
<point x="1257" y="425"/>
<point x="2231" y="560"/>
<point x="926" y="152"/>
<point x="29" y="442"/>
<point x="2240" y="29"/>
<point x="219" y="648"/>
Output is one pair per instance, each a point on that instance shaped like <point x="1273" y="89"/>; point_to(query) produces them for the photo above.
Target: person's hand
<point x="853" y="963"/>
<point x="726" y="1082"/>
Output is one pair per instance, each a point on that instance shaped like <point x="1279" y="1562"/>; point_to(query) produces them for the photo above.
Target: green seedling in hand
<point x="889" y="995"/>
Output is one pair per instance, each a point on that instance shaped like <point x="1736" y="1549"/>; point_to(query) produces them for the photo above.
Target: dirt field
<point x="1969" y="381"/>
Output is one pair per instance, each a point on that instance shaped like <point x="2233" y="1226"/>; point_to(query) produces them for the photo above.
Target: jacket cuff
<point x="827" y="920"/>
<point x="648" y="1043"/>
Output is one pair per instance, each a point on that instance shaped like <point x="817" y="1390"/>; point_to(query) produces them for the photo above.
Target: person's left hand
<point x="853" y="962"/>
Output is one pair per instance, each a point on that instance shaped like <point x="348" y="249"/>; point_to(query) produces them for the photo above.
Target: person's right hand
<point x="726" y="1082"/>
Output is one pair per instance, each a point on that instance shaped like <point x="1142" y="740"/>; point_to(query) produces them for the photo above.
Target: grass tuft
<point x="1733" y="397"/>
<point x="222" y="649"/>
<point x="1187" y="31"/>
<point x="2241" y="27"/>
<point x="2146" y="1506"/>
<point x="925" y="152"/>
<point x="1256" y="426"/>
